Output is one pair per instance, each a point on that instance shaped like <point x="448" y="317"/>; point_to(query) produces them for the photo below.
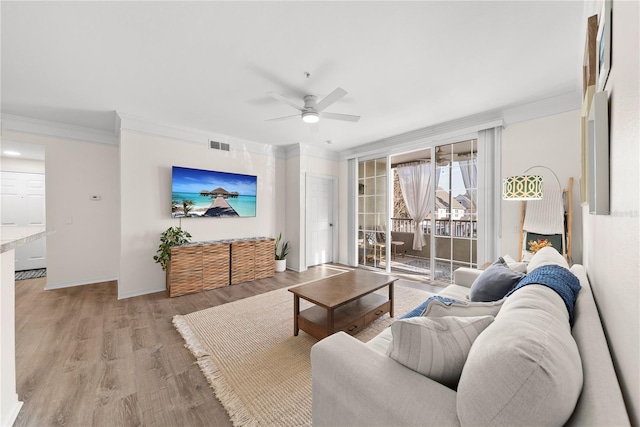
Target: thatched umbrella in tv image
<point x="219" y="205"/>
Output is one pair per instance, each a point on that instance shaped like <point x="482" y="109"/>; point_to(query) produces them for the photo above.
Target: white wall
<point x="85" y="246"/>
<point x="9" y="404"/>
<point x="611" y="242"/>
<point x="145" y="209"/>
<point x="554" y="142"/>
<point x="293" y="231"/>
<point x="343" y="191"/>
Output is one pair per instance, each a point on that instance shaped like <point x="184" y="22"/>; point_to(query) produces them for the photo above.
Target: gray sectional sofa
<point x="528" y="367"/>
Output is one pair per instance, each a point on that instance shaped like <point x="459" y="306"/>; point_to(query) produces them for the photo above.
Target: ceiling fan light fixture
<point x="310" y="117"/>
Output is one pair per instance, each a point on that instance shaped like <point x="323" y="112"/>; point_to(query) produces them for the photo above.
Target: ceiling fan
<point x="313" y="109"/>
<point x="444" y="157"/>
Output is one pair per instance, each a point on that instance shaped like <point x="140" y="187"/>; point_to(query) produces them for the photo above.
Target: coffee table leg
<point x="296" y="312"/>
<point x="391" y="299"/>
<point x="330" y="329"/>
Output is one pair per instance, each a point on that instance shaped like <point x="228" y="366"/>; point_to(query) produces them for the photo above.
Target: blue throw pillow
<point x="494" y="283"/>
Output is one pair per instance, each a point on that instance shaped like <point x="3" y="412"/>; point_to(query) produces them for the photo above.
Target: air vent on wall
<point x="215" y="145"/>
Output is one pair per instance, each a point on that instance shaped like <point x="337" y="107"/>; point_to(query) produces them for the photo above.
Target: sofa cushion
<point x="436" y="347"/>
<point x="381" y="342"/>
<point x="456" y="292"/>
<point x="546" y="256"/>
<point x="439" y="308"/>
<point x="494" y="283"/>
<point x="525" y="368"/>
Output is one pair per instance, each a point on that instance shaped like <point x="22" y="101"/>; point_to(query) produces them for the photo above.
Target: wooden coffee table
<point x="345" y="302"/>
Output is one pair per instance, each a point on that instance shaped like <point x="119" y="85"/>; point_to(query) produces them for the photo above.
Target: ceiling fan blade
<point x="279" y="97"/>
<point x="336" y="116"/>
<point x="334" y="96"/>
<point x="283" y="118"/>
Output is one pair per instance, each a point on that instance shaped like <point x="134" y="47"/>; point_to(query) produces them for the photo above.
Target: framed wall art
<point x="603" y="45"/>
<point x="590" y="63"/>
<point x="598" y="143"/>
<point x="589" y="67"/>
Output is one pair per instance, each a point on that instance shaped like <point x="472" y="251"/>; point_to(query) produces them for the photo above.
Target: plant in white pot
<point x="281" y="255"/>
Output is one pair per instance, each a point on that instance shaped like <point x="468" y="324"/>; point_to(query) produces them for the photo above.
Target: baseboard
<point x="139" y="292"/>
<point x="10" y="417"/>
<point x="92" y="281"/>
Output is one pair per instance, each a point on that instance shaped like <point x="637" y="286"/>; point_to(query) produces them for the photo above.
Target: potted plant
<point x="281" y="255"/>
<point x="172" y="236"/>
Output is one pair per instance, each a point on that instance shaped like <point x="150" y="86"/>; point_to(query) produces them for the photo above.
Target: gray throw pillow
<point x="494" y="283"/>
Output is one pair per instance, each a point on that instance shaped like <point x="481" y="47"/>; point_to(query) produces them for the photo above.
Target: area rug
<point x="31" y="274"/>
<point x="258" y="370"/>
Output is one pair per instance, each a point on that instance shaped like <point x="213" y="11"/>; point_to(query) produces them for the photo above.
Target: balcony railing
<point x="443" y="227"/>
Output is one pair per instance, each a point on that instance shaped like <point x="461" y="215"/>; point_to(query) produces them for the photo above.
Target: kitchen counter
<point x="11" y="237"/>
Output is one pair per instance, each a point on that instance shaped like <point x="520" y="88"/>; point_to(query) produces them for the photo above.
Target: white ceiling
<point x="209" y="65"/>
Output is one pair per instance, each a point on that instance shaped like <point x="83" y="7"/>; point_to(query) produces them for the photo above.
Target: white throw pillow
<point x="546" y="256"/>
<point x="436" y="347"/>
<point x="520" y="267"/>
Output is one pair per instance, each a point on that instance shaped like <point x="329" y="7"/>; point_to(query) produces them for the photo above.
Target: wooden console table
<point x="208" y="265"/>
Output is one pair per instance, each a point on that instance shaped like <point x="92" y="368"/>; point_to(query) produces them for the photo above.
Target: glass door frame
<point x="387" y="216"/>
<point x="489" y="143"/>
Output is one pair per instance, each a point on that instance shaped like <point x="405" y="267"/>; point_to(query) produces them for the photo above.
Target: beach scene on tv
<point x="203" y="193"/>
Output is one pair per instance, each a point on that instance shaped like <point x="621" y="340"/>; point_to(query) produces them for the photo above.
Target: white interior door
<point x="319" y="220"/>
<point x="23" y="205"/>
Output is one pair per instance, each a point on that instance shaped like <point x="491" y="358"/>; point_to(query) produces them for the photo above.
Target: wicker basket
<point x="215" y="265"/>
<point x="243" y="254"/>
<point x="265" y="258"/>
<point x="184" y="271"/>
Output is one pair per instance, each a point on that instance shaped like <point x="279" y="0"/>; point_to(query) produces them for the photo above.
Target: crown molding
<point x="61" y="130"/>
<point x="424" y="136"/>
<point x="504" y="117"/>
<point x="196" y="136"/>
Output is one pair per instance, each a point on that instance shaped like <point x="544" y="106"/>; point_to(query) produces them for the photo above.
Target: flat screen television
<point x="198" y="193"/>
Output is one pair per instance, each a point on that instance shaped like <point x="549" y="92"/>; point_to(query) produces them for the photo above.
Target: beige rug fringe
<point x="225" y="394"/>
<point x="191" y="341"/>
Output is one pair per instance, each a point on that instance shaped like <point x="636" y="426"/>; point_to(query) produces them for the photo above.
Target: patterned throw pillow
<point x="371" y="238"/>
<point x="436" y="347"/>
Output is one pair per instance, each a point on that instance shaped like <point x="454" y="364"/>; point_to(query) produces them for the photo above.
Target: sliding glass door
<point x="454" y="219"/>
<point x="372" y="212"/>
<point x="435" y="211"/>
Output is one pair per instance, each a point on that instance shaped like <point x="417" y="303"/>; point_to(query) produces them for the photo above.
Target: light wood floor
<point x="85" y="358"/>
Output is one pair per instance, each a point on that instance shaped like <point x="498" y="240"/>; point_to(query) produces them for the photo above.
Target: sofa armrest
<point x="354" y="385"/>
<point x="464" y="276"/>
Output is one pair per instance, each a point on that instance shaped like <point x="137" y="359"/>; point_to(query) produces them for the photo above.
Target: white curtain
<point x="415" y="183"/>
<point x="469" y="171"/>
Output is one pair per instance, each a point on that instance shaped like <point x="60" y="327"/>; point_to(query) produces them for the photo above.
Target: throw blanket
<point x="419" y="309"/>
<point x="561" y="280"/>
<point x="546" y="216"/>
